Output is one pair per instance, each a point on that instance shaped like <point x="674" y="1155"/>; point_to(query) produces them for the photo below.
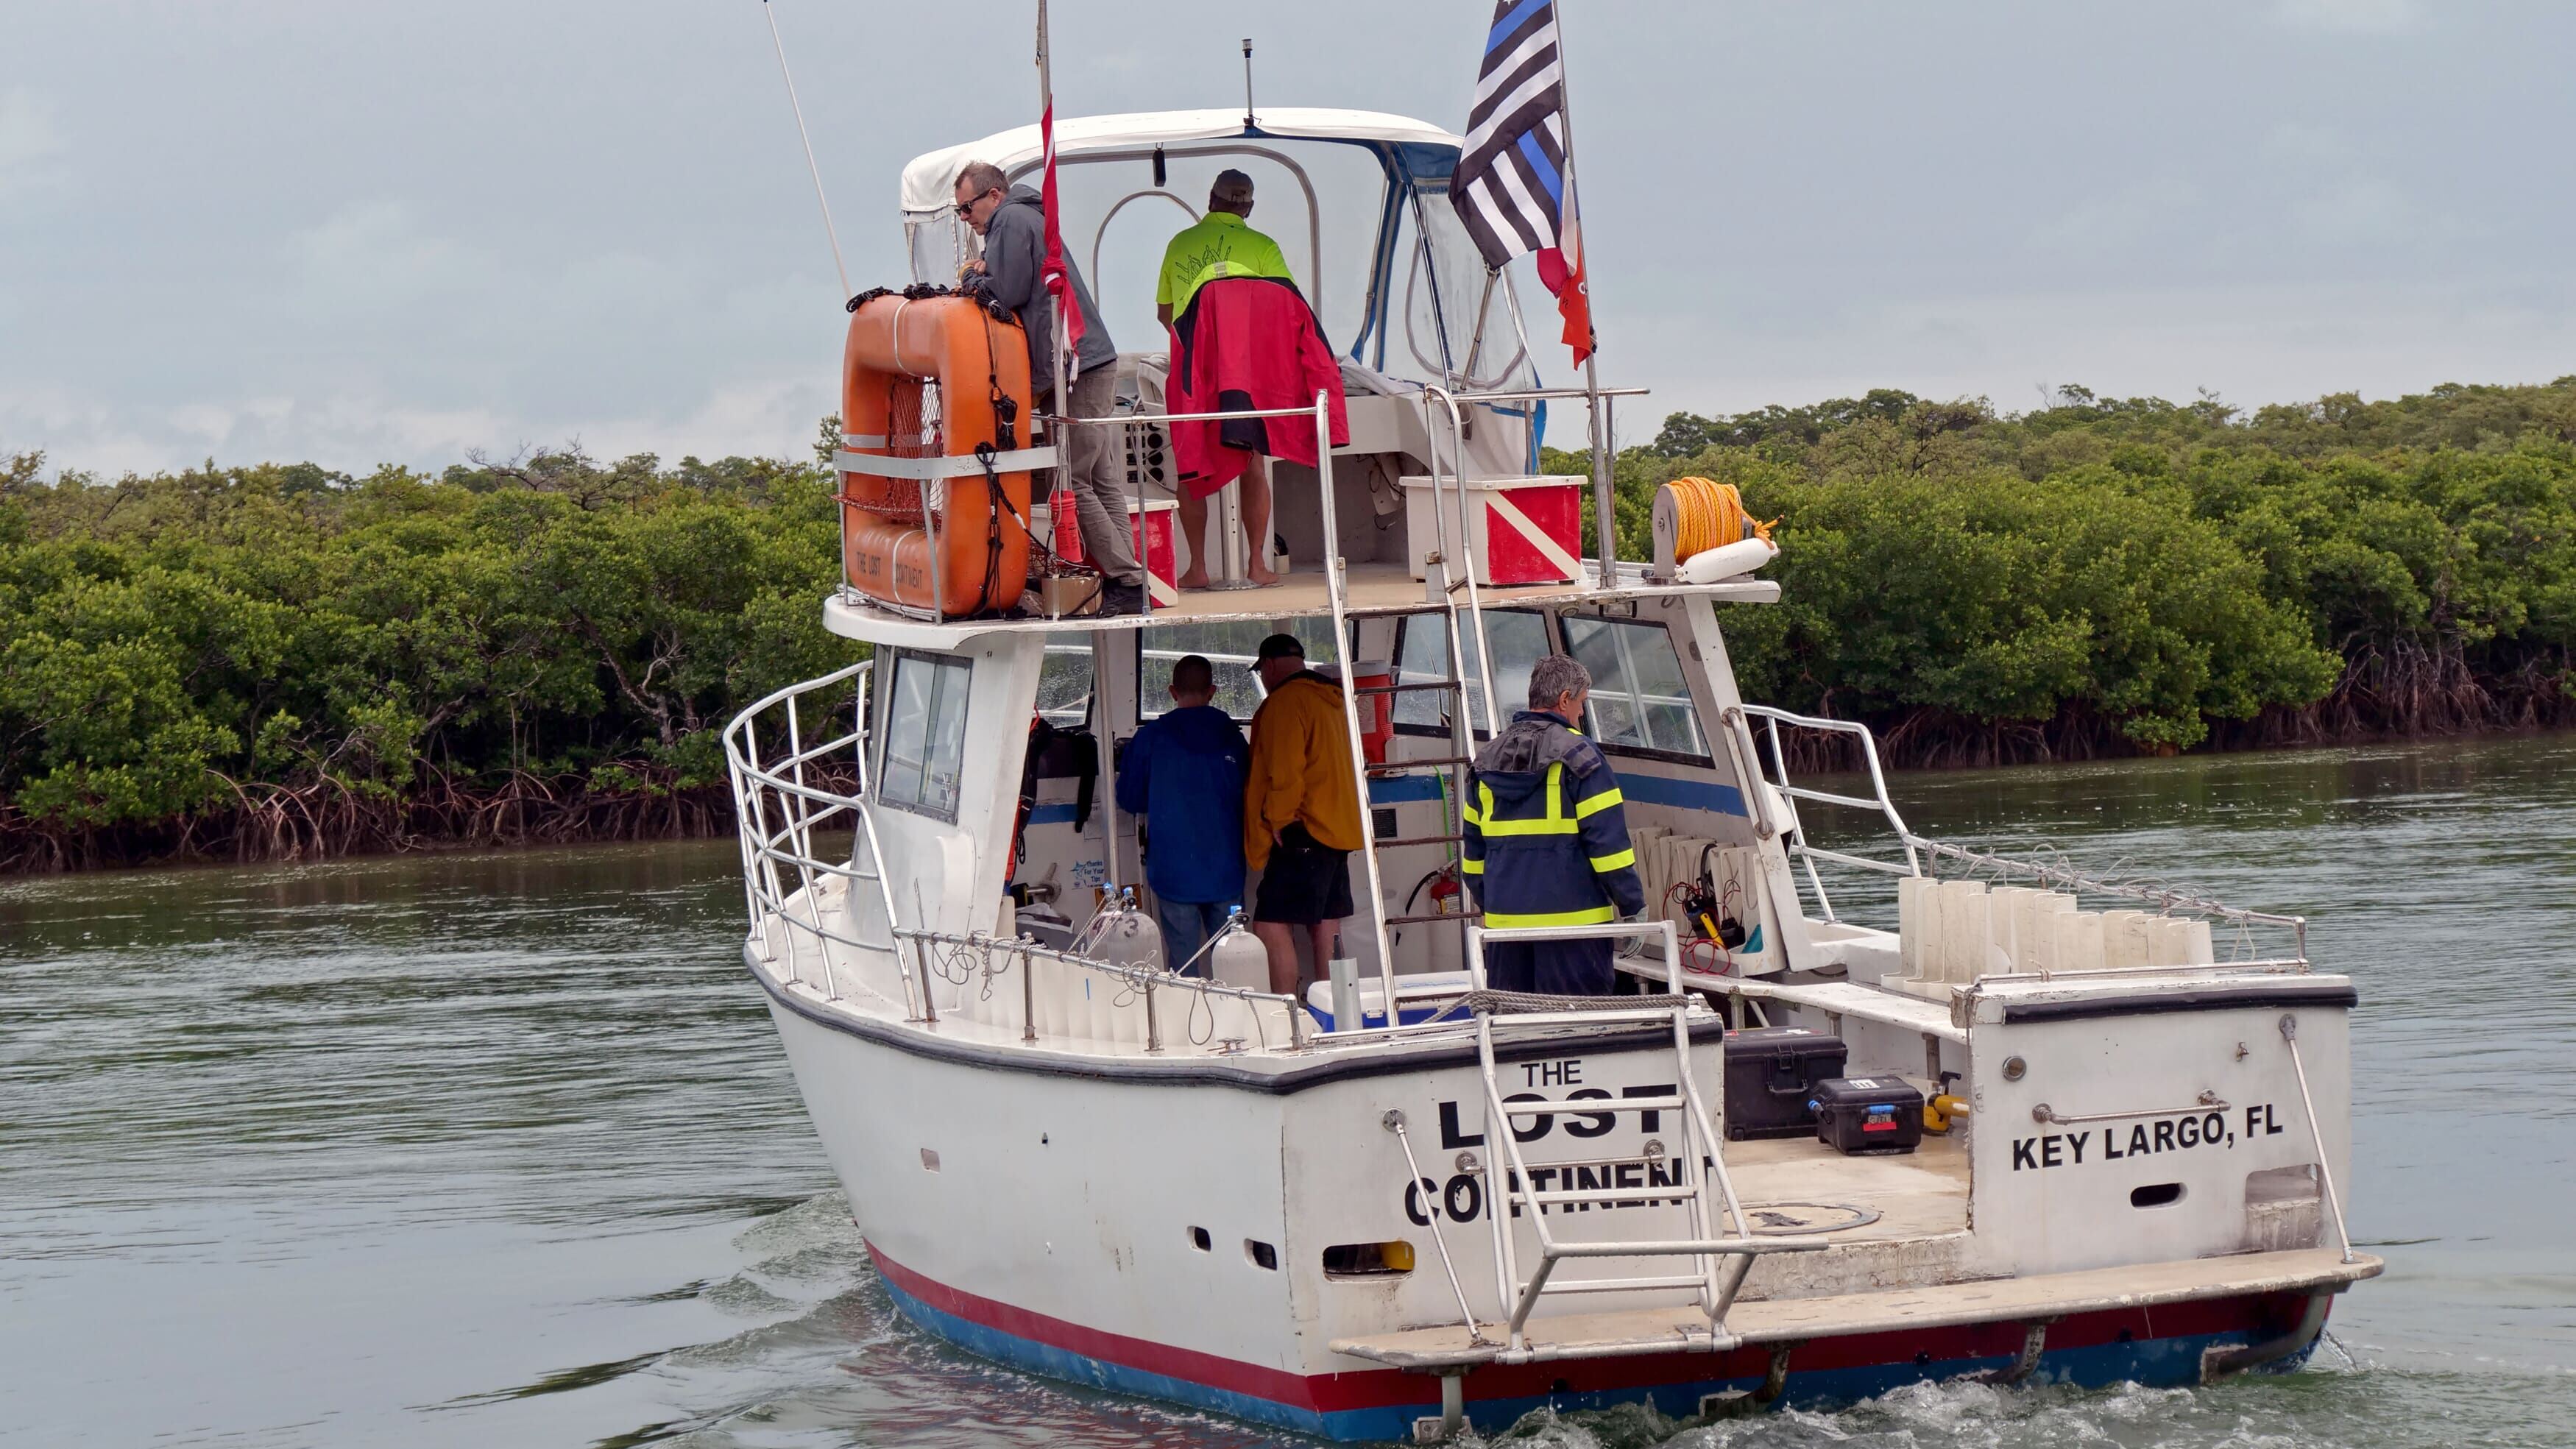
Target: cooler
<point x="1772" y="1073"/>
<point x="1419" y="996"/>
<point x="1524" y="530"/>
<point x="1152" y="524"/>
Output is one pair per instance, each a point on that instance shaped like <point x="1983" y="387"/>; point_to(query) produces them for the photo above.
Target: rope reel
<point x="1699" y="516"/>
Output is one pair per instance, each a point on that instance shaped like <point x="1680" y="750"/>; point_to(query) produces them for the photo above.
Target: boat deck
<point x="1798" y="1184"/>
<point x="1375" y="588"/>
<point x="1946" y="1305"/>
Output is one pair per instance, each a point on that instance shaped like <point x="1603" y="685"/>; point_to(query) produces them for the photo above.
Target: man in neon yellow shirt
<point x="1223" y="245"/>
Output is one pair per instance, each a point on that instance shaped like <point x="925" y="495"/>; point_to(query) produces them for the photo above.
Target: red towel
<point x="1248" y="342"/>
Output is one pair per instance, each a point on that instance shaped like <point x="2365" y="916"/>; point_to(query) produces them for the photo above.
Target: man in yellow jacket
<point x="1301" y="810"/>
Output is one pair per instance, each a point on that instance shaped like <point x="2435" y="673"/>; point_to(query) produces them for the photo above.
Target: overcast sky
<point x="371" y="233"/>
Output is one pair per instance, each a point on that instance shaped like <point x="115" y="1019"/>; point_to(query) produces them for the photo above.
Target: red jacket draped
<point x="1248" y="342"/>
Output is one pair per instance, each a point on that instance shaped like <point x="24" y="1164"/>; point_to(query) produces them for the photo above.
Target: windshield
<point x="1229" y="649"/>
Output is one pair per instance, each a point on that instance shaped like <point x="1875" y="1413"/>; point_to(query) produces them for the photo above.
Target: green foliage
<point x="2152" y="565"/>
<point x="169" y="644"/>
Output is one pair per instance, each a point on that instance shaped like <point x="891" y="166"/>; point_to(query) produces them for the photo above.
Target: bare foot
<point x="1261" y="577"/>
<point x="1195" y="579"/>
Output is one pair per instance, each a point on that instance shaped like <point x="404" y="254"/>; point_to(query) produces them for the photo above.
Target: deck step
<point x="1681" y="1327"/>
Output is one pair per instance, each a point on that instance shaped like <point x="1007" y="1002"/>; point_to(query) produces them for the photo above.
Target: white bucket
<point x="1964" y="930"/>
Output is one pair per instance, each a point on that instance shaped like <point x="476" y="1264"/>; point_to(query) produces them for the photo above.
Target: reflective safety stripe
<point x="1467" y="815"/>
<point x="1497" y="828"/>
<point x="1595" y="916"/>
<point x="1555" y="822"/>
<point x="1472" y="866"/>
<point x="1586" y="809"/>
<point x="1604" y="864"/>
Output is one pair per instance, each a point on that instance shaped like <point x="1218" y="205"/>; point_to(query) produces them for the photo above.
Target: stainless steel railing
<point x="779" y="808"/>
<point x="2167" y="897"/>
<point x="783" y="803"/>
<point x="978" y="960"/>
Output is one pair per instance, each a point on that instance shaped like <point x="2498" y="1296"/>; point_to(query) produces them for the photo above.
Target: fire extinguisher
<point x="1444" y="892"/>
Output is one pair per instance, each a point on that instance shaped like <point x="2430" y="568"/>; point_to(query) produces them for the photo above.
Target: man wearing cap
<point x="1012" y="222"/>
<point x="1223" y="245"/>
<point x="1301" y="810"/>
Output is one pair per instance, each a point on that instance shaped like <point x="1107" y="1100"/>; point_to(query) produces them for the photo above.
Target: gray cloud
<point x="364" y="234"/>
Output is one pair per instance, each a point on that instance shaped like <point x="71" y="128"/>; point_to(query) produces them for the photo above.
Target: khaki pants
<point x="1095" y="469"/>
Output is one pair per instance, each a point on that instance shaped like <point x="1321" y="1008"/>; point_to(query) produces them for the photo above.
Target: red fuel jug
<point x="1068" y="528"/>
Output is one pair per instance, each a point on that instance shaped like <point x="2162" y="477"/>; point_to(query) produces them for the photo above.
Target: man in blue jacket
<point x="1547" y="840"/>
<point x="1184" y="773"/>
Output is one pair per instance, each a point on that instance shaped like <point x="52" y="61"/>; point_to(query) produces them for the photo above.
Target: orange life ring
<point x="896" y="347"/>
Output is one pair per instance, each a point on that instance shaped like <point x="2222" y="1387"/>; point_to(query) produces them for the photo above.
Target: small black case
<point x="1868" y="1114"/>
<point x="1772" y="1073"/>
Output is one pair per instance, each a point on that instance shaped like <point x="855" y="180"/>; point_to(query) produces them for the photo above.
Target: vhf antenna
<point x="1247" y="83"/>
<point x="829" y="231"/>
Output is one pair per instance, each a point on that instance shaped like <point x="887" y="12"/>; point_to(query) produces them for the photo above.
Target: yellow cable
<point x="1708" y="514"/>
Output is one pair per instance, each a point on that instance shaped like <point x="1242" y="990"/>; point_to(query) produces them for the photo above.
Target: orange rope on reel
<point x="1709" y="514"/>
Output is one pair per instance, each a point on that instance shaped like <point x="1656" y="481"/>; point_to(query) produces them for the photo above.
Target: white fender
<point x="1727" y="560"/>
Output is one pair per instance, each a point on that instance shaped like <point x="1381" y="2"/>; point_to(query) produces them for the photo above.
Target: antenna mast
<point x="829" y="230"/>
<point x="1247" y="83"/>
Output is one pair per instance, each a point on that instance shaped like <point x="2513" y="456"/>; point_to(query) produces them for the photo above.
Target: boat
<point x="1403" y="1203"/>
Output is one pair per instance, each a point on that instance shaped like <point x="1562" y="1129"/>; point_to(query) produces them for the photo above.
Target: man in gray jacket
<point x="1012" y="222"/>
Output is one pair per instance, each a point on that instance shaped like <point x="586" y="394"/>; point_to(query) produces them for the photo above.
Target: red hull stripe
<point x="2253" y="1317"/>
<point x="1231" y="1375"/>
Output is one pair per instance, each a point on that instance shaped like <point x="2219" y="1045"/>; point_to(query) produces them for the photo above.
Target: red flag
<point x="1058" y="276"/>
<point x="1560" y="270"/>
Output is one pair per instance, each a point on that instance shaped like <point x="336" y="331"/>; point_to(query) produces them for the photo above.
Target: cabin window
<point x="1640" y="700"/>
<point x="924" y="756"/>
<point x="1519" y="640"/>
<point x="1229" y="647"/>
<point x="1064" y="686"/>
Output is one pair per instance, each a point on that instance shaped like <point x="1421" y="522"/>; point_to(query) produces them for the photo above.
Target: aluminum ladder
<point x="1441" y="590"/>
<point x="1717" y="1264"/>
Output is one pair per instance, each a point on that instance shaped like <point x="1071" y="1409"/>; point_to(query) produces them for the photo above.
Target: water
<point x="500" y="1148"/>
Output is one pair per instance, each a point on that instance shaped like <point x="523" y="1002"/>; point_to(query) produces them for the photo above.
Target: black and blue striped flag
<point x="1514" y="187"/>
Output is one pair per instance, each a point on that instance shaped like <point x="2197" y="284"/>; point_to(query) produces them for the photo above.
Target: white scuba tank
<point x="1239" y="959"/>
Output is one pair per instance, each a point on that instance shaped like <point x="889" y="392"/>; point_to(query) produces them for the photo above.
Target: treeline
<point x="2109" y="575"/>
<point x="279" y="661"/>
<point x="282" y="660"/>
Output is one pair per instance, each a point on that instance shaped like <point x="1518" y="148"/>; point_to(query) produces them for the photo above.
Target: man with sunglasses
<point x="1012" y="222"/>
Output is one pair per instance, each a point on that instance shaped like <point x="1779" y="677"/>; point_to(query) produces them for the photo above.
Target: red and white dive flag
<point x="1514" y="188"/>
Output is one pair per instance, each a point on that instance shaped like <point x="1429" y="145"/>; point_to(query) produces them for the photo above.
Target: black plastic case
<point x="1772" y="1073"/>
<point x="1868" y="1114"/>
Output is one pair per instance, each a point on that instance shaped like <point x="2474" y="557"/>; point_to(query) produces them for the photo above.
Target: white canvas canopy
<point x="929" y="178"/>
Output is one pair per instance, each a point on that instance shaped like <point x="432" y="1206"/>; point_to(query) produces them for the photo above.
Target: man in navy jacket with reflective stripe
<point x="1547" y="840"/>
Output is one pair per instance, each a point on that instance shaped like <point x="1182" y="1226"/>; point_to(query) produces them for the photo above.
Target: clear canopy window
<point x="1229" y="648"/>
<point x="1519" y="640"/>
<point x="1639" y="699"/>
<point x="1357" y="202"/>
<point x="924" y="755"/>
<point x="1064" y="685"/>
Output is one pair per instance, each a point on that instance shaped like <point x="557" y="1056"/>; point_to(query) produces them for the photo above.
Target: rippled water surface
<point x="499" y="1149"/>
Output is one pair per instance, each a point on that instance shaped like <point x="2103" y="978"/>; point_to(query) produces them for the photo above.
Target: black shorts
<point x="1305" y="883"/>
